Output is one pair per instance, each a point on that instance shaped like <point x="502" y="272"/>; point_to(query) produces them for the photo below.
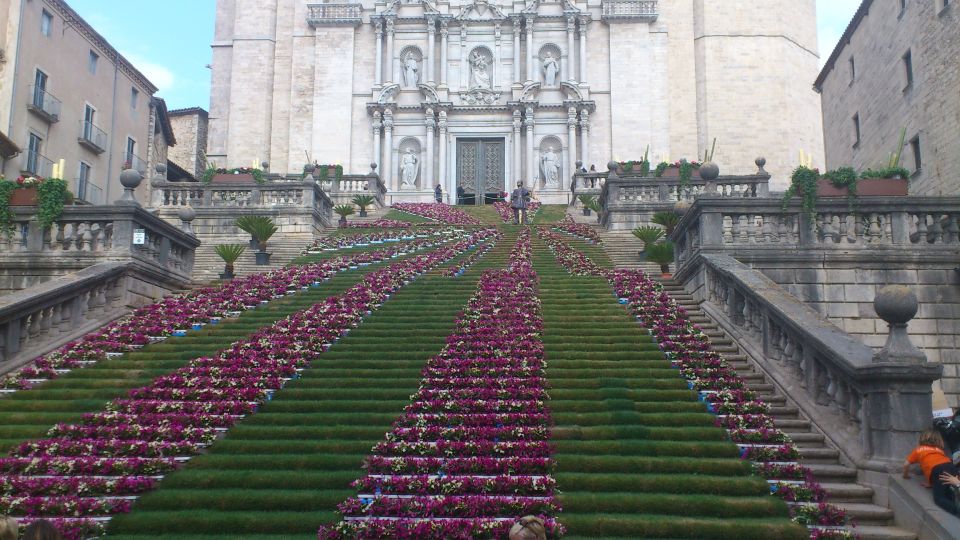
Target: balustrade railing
<point x="629" y="10"/>
<point x="334" y="14"/>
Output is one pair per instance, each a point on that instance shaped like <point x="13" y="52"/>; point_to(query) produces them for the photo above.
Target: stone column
<point x="567" y="64"/>
<point x="428" y="164"/>
<point x="585" y="138"/>
<point x="571" y="147"/>
<point x="443" y="53"/>
<point x="390" y="62"/>
<point x="584" y="22"/>
<point x="378" y="77"/>
<point x="530" y="51"/>
<point x="377" y="126"/>
<point x="428" y="58"/>
<point x="387" y="168"/>
<point x="464" y="71"/>
<point x="517" y="151"/>
<point x="450" y="188"/>
<point x="531" y="158"/>
<point x="495" y="80"/>
<point x="517" y="77"/>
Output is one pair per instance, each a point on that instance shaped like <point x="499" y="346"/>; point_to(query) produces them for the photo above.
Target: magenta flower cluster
<point x="579" y="230"/>
<point x="380" y="224"/>
<point x="334" y="243"/>
<point x="470" y="454"/>
<point x="440" y="212"/>
<point x="717" y="384"/>
<point x="461" y="267"/>
<point x="96" y="467"/>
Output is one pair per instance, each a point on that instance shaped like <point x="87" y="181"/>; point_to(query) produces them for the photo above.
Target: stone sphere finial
<point x="761" y="161"/>
<point x="373" y="168"/>
<point x="709" y="171"/>
<point x="161" y="169"/>
<point x="612" y="165"/>
<point x="130" y="178"/>
<point x="896" y="304"/>
<point x="579" y="164"/>
<point x="187" y="214"/>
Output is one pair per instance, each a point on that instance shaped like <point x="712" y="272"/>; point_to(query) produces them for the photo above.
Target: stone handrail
<point x="334" y="14"/>
<point x="242" y="195"/>
<point x="349" y="185"/>
<point x="629" y="10"/>
<point x="872" y="407"/>
<point x="737" y="227"/>
<point x="104" y="233"/>
<point x="36" y="320"/>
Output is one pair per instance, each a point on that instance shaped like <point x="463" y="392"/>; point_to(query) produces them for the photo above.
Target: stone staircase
<point x="372" y="215"/>
<point x="208" y="265"/>
<point x="621" y="246"/>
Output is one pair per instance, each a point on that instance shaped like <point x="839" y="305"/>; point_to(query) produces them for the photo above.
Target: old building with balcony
<point x="67" y="94"/>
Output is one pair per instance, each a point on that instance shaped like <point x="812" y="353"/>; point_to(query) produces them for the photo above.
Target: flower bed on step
<point x="438" y="212"/>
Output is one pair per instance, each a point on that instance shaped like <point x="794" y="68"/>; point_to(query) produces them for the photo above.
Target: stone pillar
<point x="428" y="58"/>
<point x="571" y="147"/>
<point x="388" y="150"/>
<point x="517" y="151"/>
<point x="378" y="28"/>
<point x="585" y="138"/>
<point x="443" y="53"/>
<point x="531" y="158"/>
<point x="567" y="64"/>
<point x="450" y="188"/>
<point x="377" y="126"/>
<point x="495" y="79"/>
<point x="464" y="71"/>
<point x="390" y="61"/>
<point x="584" y="22"/>
<point x="517" y="77"/>
<point x="530" y="51"/>
<point x="428" y="164"/>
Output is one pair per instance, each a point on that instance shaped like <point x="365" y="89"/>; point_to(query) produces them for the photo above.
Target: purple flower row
<point x="438" y="212"/>
<point x="579" y="230"/>
<point x="331" y="243"/>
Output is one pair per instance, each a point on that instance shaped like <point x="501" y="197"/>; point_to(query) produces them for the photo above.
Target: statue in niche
<point x="409" y="167"/>
<point x="551" y="68"/>
<point x="479" y="76"/>
<point x="410" y="70"/>
<point x="550" y="169"/>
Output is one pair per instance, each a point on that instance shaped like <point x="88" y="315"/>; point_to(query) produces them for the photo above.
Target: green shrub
<point x="260" y="227"/>
<point x="648" y="235"/>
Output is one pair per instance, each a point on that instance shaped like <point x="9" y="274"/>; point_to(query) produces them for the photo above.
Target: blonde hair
<point x="931" y="437"/>
<point x="528" y="528"/>
<point x="9" y="528"/>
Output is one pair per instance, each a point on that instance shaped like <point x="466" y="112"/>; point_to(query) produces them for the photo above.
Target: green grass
<point x="404" y="216"/>
<point x="284" y="469"/>
<point x="549" y="214"/>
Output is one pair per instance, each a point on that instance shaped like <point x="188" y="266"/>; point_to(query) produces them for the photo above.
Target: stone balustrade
<point x="342" y="190"/>
<point x="334" y="14"/>
<point x="630" y="10"/>
<point x="36" y="320"/>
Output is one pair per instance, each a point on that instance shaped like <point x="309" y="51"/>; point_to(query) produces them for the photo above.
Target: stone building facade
<point x="190" y="128"/>
<point x="897" y="67"/>
<point x="476" y="94"/>
<point x="66" y="93"/>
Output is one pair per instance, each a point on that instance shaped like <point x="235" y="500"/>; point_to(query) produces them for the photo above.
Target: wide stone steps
<point x="208" y="265"/>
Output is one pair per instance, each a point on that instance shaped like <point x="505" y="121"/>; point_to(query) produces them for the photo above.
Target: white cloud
<point x="161" y="76"/>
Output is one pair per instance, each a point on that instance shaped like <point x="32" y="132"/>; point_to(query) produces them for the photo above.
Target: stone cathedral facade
<point x="475" y="95"/>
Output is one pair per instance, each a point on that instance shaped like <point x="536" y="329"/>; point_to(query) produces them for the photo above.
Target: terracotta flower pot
<point x="231" y="178"/>
<point x="866" y="187"/>
<point x="23" y="197"/>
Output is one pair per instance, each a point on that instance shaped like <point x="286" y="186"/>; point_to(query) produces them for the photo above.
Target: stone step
<point x="875" y="532"/>
<point x="840" y="492"/>
<point x="792" y="424"/>
<point x="806" y="439"/>
<point x="832" y="472"/>
<point x="867" y="513"/>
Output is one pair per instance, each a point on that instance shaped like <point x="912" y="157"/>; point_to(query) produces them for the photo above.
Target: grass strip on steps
<point x="312" y="436"/>
<point x="29" y="414"/>
<point x="399" y="215"/>
<point x="637" y="455"/>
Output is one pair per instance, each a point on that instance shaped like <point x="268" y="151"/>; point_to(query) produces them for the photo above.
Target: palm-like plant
<point x="343" y="210"/>
<point x="662" y="254"/>
<point x="648" y="235"/>
<point x="668" y="220"/>
<point x="589" y="202"/>
<point x="229" y="253"/>
<point x="260" y="227"/>
<point x="363" y="202"/>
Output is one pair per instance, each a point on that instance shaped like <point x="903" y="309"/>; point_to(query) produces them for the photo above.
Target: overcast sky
<point x="171" y="44"/>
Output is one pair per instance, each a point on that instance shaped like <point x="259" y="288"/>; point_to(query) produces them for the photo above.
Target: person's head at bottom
<point x="519" y="184"/>
<point x="528" y="528"/>
<point x="41" y="529"/>
<point x="9" y="528"/>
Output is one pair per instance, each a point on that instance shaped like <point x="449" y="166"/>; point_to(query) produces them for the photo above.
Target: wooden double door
<point x="480" y="169"/>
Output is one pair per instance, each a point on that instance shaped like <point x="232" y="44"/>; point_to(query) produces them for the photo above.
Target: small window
<point x="134" y="96"/>
<point x="903" y="7"/>
<point x="853" y="70"/>
<point x="33" y="154"/>
<point x="131" y="149"/>
<point x="917" y="159"/>
<point x="46" y="23"/>
<point x="908" y="68"/>
<point x="92" y="62"/>
<point x="856" y="130"/>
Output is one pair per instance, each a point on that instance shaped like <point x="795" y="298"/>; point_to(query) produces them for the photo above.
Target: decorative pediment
<point x="480" y="96"/>
<point x="395" y="6"/>
<point x="389" y="94"/>
<point x="533" y="6"/>
<point x="571" y="91"/>
<point x="481" y="10"/>
<point x="530" y="93"/>
<point x="429" y="93"/>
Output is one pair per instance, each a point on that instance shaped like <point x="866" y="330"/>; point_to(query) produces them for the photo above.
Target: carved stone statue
<point x="411" y="70"/>
<point x="551" y="68"/>
<point x="479" y="75"/>
<point x="409" y="167"/>
<point x="550" y="168"/>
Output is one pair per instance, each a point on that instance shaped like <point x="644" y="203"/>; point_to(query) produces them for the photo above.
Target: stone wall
<point x="190" y="130"/>
<point x="929" y="108"/>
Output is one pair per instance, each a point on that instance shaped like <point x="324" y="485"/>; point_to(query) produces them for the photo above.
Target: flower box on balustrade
<point x="238" y="178"/>
<point x="23" y="197"/>
<point x="866" y="187"/>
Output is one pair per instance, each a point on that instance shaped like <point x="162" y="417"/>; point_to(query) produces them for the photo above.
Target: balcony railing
<point x="92" y="137"/>
<point x="630" y="10"/>
<point x="334" y="14"/>
<point x="43" y="104"/>
<point x="35" y="163"/>
<point x="89" y="192"/>
<point x="133" y="161"/>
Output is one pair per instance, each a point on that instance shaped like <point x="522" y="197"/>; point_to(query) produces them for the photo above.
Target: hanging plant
<point x="51" y="196"/>
<point x="208" y="174"/>
<point x="686" y="173"/>
<point x="661" y="168"/>
<point x="6" y="214"/>
<point x="803" y="182"/>
<point x="845" y="178"/>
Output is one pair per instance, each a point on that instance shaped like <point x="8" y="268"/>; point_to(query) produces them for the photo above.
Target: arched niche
<point x="409" y="161"/>
<point x="411" y="67"/>
<point x="550" y="57"/>
<point x="480" y="68"/>
<point x="550" y="162"/>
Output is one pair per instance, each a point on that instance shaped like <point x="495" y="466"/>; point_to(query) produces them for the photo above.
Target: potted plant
<point x="667" y="220"/>
<point x="595" y="206"/>
<point x="262" y="228"/>
<point x="588" y="202"/>
<point x="215" y="175"/>
<point x="649" y="236"/>
<point x="229" y="253"/>
<point x="48" y="195"/>
<point x="343" y="210"/>
<point x="662" y="254"/>
<point x="363" y="201"/>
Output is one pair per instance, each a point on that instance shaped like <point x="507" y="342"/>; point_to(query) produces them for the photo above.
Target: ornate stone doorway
<point x="480" y="167"/>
